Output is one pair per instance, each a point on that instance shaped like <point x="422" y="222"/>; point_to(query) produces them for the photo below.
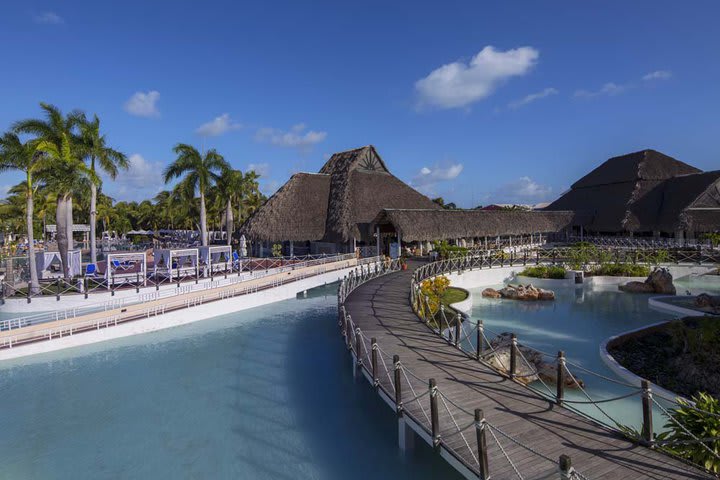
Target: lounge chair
<point x="90" y="270"/>
<point x="121" y="266"/>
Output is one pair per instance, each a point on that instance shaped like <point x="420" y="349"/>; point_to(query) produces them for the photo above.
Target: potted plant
<point x="403" y="263"/>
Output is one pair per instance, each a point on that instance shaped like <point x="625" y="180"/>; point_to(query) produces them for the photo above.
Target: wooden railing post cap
<point x="565" y="463"/>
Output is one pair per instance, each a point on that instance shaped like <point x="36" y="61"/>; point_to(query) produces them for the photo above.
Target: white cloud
<point x="269" y="187"/>
<point x="524" y="190"/>
<point x="609" y="89"/>
<point x="262" y="169"/>
<point x="143" y="104"/>
<point x="427" y="178"/>
<point x="142" y="180"/>
<point x="4" y="189"/>
<point x="532" y="97"/>
<point x="218" y="126"/>
<point x="458" y="84"/>
<point x="296" y="137"/>
<point x="49" y="18"/>
<point x="658" y="75"/>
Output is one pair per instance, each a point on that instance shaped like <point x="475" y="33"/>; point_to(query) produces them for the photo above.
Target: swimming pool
<point x="577" y="322"/>
<point x="265" y="393"/>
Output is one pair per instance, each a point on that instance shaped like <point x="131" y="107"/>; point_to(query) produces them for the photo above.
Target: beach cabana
<point x="176" y="263"/>
<point x="48" y="264"/>
<point x="126" y="265"/>
<point x="215" y="258"/>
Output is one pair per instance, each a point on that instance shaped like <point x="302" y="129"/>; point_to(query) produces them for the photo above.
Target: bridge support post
<point x="513" y="356"/>
<point x="567" y="472"/>
<point x="479" y="341"/>
<point x="357" y="363"/>
<point x="560" y="392"/>
<point x="482" y="445"/>
<point x="458" y="329"/>
<point x="406" y="436"/>
<point x="647" y="426"/>
<point x="434" y="422"/>
<point x="374" y="353"/>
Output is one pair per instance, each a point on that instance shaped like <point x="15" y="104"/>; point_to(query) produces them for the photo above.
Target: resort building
<point x="354" y="201"/>
<point x="645" y="193"/>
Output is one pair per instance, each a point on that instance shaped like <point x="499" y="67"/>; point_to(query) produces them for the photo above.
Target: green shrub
<point x="277" y="250"/>
<point x="622" y="270"/>
<point x="445" y="250"/>
<point x="545" y="271"/>
<point x="702" y="425"/>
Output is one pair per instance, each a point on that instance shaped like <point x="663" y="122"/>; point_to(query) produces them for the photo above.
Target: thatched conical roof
<point x="610" y="197"/>
<point x="422" y="225"/>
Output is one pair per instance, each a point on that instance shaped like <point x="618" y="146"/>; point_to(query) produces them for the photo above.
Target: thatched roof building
<point x="644" y="192"/>
<point x="335" y="205"/>
<point x="425" y="225"/>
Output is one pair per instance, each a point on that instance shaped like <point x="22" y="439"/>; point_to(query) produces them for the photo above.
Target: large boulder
<point x="707" y="301"/>
<point x="637" y="287"/>
<point x="659" y="281"/>
<point x="491" y="293"/>
<point x="526" y="292"/>
<point x="531" y="368"/>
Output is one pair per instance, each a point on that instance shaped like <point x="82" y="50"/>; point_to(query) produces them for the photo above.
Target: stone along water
<point x="267" y="393"/>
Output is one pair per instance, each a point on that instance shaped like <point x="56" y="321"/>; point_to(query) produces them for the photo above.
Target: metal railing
<point x="157" y="303"/>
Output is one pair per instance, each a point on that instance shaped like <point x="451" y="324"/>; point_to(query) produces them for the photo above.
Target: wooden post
<point x="479" y="340"/>
<point x="358" y="347"/>
<point x="57" y="294"/>
<point x="398" y="384"/>
<point x="458" y="328"/>
<point x="373" y="352"/>
<point x="482" y="444"/>
<point x="85" y="287"/>
<point x="647" y="427"/>
<point x="434" y="423"/>
<point x="513" y="355"/>
<point x="560" y="393"/>
<point x="566" y="470"/>
<point x="137" y="282"/>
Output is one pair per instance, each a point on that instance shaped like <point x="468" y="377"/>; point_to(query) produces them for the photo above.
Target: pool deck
<point x="381" y="309"/>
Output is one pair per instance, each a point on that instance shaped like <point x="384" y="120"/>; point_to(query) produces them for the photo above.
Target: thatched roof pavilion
<point x="335" y="205"/>
<point x="425" y="225"/>
<point x="644" y="192"/>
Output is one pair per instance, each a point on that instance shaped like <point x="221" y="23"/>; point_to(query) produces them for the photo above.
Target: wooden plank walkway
<point x="381" y="309"/>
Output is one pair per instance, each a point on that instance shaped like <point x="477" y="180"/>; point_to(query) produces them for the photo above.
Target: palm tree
<point x="252" y="199"/>
<point x="55" y="134"/>
<point x="200" y="172"/>
<point x="231" y="188"/>
<point x="67" y="175"/>
<point x="97" y="152"/>
<point x="16" y="155"/>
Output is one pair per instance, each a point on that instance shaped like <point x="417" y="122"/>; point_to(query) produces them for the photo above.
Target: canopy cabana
<point x="176" y="262"/>
<point x="48" y="264"/>
<point x="127" y="265"/>
<point x="215" y="258"/>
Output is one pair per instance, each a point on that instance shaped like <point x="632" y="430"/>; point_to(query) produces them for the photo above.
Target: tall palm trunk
<point x="70" y="224"/>
<point x="61" y="232"/>
<point x="93" y="221"/>
<point x="203" y="220"/>
<point x="34" y="283"/>
<point x="229" y="221"/>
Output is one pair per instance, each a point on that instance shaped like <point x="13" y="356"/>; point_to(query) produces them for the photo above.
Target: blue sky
<point x="476" y="101"/>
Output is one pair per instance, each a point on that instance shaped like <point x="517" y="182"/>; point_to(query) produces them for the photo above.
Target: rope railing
<point x="421" y="399"/>
<point x="474" y="342"/>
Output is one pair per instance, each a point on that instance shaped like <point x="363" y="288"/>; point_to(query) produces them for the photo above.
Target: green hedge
<point x="543" y="271"/>
<point x="622" y="270"/>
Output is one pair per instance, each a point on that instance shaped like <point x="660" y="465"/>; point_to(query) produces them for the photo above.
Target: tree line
<point x="62" y="157"/>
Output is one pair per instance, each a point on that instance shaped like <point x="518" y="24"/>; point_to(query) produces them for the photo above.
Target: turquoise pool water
<point x="578" y="321"/>
<point x="266" y="393"/>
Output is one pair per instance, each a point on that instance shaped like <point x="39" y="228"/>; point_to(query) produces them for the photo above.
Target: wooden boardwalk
<point x="380" y="308"/>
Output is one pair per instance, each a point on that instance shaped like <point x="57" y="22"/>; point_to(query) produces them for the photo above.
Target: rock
<point x="526" y="292"/>
<point x="534" y="369"/>
<point x="707" y="301"/>
<point x="637" y="287"/>
<point x="491" y="293"/>
<point x="659" y="281"/>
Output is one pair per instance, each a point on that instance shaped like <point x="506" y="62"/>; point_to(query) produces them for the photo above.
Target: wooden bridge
<point x="483" y="423"/>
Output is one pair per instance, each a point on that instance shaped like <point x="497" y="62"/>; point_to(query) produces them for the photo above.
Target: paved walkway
<point x="381" y="309"/>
